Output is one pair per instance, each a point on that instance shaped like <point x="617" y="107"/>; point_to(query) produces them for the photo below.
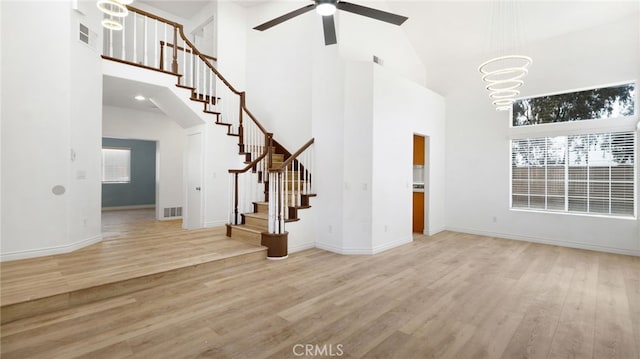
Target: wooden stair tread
<point x="213" y="113"/>
<point x="300" y="207"/>
<point x="248" y="228"/>
<point x="185" y="87"/>
<point x="259" y="215"/>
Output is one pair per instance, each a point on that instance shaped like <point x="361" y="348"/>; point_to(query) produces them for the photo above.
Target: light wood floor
<point x="447" y="296"/>
<point x="122" y="223"/>
<point x="136" y="245"/>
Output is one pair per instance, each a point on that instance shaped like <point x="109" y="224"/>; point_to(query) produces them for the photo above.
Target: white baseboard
<point x="301" y="247"/>
<point x="170" y="218"/>
<point x="363" y="251"/>
<point x="218" y="223"/>
<point x="570" y="244"/>
<point x="124" y="208"/>
<point x="40" y="252"/>
<point x="396" y="243"/>
<point x="345" y="251"/>
<point x="434" y="231"/>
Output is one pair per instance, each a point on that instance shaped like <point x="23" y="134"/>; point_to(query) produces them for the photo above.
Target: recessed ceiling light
<point x="140" y="98"/>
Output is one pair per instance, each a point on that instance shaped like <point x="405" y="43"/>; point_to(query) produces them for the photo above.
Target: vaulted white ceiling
<point x="448" y="35"/>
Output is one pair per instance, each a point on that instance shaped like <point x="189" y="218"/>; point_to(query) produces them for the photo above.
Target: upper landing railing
<point x="152" y="42"/>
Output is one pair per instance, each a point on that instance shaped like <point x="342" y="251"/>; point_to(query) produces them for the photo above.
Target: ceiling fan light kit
<point x="327" y="8"/>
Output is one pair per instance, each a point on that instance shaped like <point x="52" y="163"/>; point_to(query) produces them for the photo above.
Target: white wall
<point x="1" y="41"/>
<point x="477" y="169"/>
<point x="300" y="88"/>
<point x="328" y="96"/>
<point x="118" y="122"/>
<point x="221" y="154"/>
<point x="84" y="127"/>
<point x="50" y="128"/>
<point x="402" y="108"/>
<point x="360" y="38"/>
<point x="279" y="66"/>
<point x="231" y="43"/>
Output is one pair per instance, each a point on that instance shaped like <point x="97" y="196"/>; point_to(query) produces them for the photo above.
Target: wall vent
<point x="86" y="36"/>
<point x="172" y="212"/>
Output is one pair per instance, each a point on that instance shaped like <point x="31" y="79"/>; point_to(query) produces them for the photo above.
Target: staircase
<point x="275" y="183"/>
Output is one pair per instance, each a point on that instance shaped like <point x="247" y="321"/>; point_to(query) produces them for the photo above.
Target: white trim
<point x="569" y="244"/>
<point x="31" y="253"/>
<point x="434" y="231"/>
<point x="169" y="218"/>
<point x="216" y="223"/>
<point x="386" y="246"/>
<point x="579" y="214"/>
<point x="124" y="208"/>
<point x="620" y="124"/>
<point x="580" y="89"/>
<point x="301" y="247"/>
<point x="363" y="251"/>
<point x="345" y="251"/>
<point x="277" y="258"/>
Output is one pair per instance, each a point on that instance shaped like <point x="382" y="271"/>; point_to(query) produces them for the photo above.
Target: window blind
<point x="116" y="165"/>
<point x="592" y="173"/>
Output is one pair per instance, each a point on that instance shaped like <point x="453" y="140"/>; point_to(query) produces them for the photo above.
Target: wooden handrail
<point x="252" y="164"/>
<point x="295" y="155"/>
<point x="206" y="61"/>
<point x="180" y="48"/>
<point x="155" y="17"/>
<point x="256" y="121"/>
<point x="204" y="58"/>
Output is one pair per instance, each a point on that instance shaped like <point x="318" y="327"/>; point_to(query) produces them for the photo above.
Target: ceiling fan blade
<point x="372" y="13"/>
<point x="285" y="17"/>
<point x="329" y="27"/>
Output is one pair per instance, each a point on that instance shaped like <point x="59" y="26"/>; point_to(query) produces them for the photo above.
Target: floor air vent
<point x="173" y="212"/>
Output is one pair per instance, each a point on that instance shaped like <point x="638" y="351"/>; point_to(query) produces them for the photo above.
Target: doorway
<point x="129" y="184"/>
<point x="420" y="183"/>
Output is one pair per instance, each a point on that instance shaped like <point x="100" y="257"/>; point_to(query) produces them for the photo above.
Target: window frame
<point x="103" y="181"/>
<point x="582" y="127"/>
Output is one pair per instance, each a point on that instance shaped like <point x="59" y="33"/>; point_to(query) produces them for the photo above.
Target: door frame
<point x="426" y="172"/>
<point x="186" y="220"/>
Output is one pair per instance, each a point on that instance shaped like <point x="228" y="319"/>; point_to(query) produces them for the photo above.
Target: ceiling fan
<point x="327" y="8"/>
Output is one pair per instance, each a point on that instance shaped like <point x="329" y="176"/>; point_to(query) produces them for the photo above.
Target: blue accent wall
<point x="141" y="190"/>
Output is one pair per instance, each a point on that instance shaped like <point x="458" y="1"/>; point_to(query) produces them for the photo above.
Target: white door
<point x="194" y="182"/>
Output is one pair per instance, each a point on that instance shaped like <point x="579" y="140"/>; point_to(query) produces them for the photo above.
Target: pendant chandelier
<point x="503" y="74"/>
<point x="115" y="10"/>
